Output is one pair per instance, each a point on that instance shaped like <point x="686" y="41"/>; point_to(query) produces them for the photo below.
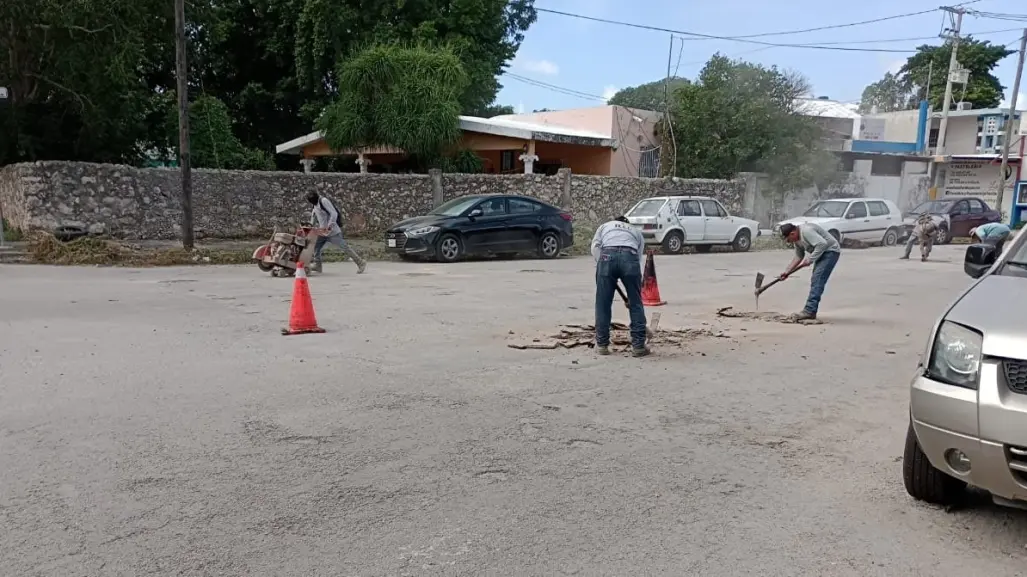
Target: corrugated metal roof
<point x="827" y="108"/>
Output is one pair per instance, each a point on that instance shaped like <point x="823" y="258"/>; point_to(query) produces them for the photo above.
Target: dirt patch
<point x="729" y="312"/>
<point x="574" y="335"/>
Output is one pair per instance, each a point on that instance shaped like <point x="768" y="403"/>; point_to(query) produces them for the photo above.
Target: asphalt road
<point x="155" y="422"/>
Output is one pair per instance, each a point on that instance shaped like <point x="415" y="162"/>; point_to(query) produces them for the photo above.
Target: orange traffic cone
<point x="650" y="289"/>
<point x="301" y="316"/>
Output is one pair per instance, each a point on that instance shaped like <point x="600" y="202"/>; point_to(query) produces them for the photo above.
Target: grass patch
<point x="44" y="248"/>
<point x="12" y="234"/>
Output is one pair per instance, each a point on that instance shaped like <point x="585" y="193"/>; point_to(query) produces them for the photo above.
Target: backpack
<point x="338" y="213"/>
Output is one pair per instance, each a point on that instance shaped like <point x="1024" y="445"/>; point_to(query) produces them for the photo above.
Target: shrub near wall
<point x="144" y="203"/>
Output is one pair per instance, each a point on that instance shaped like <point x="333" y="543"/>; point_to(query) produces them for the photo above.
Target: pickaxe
<point x="761" y="288"/>
<point x="650" y="330"/>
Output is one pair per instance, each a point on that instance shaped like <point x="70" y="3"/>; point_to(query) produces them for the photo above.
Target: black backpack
<point x="338" y="213"/>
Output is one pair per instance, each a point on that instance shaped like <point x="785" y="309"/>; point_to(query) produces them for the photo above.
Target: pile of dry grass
<point x="45" y="248"/>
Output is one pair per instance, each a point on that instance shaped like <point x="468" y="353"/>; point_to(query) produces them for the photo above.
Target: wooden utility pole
<point x="184" y="161"/>
<point x="1009" y="125"/>
<point x="952" y="35"/>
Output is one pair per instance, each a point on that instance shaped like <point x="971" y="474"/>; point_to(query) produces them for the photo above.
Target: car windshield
<point x="649" y="207"/>
<point x="455" y="207"/>
<point x="1018" y="254"/>
<point x="827" y="209"/>
<point x="932" y="207"/>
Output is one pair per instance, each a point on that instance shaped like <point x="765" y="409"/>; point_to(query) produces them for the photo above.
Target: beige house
<point x="603" y="140"/>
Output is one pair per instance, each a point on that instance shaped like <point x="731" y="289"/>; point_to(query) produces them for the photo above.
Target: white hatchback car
<point x="674" y="222"/>
<point x="869" y="220"/>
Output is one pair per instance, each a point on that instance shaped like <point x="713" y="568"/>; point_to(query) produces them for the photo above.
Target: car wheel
<point x="743" y="241"/>
<point x="549" y="245"/>
<point x="448" y="248"/>
<point x="837" y="235"/>
<point x="703" y="248"/>
<point x="674" y="243"/>
<point x="891" y="237"/>
<point x="265" y="267"/>
<point x="942" y="236"/>
<point x="923" y="481"/>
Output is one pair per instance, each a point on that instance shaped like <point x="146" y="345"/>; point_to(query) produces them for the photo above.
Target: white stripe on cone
<point x="300" y="271"/>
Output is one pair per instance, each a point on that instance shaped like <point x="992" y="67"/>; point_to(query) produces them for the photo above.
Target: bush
<point x="12" y="234"/>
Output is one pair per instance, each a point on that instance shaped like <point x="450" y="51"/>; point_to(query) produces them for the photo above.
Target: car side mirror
<point x="475" y="213"/>
<point x="979" y="258"/>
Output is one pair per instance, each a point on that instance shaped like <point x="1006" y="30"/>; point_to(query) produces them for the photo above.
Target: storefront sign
<point x="978" y="178"/>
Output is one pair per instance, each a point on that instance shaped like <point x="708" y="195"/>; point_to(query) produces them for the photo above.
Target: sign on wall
<point x="978" y="178"/>
<point x="871" y="129"/>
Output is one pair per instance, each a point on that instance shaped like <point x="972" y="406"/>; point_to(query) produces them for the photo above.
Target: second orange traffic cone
<point x="650" y="288"/>
<point x="301" y="315"/>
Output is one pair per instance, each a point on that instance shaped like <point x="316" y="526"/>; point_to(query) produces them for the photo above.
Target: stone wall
<point x="144" y="203"/>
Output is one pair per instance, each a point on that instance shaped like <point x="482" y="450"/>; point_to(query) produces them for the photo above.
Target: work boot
<point x="315" y="266"/>
<point x="602" y="350"/>
<point x="804" y="316"/>
<point x="361" y="267"/>
<point x="904" y="257"/>
<point x="642" y="352"/>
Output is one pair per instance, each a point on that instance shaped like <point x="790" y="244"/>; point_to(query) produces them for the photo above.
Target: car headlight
<point x="956" y="355"/>
<point x="422" y="231"/>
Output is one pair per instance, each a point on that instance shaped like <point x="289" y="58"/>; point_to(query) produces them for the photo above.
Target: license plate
<point x="392" y="243"/>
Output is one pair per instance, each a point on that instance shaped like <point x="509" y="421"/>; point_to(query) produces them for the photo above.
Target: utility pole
<point x="666" y="166"/>
<point x="184" y="160"/>
<point x="1009" y="124"/>
<point x="953" y="66"/>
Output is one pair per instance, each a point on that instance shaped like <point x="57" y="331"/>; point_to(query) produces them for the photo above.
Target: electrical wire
<point x="553" y="87"/>
<point x="734" y="39"/>
<point x="832" y="26"/>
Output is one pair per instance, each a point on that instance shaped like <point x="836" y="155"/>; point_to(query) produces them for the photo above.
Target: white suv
<point x="676" y="221"/>
<point x="869" y="220"/>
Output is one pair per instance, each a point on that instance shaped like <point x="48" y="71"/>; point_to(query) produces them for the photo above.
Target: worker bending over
<point x="923" y="232"/>
<point x="813" y="246"/>
<point x="329" y="230"/>
<point x="619" y="249"/>
<point x="993" y="233"/>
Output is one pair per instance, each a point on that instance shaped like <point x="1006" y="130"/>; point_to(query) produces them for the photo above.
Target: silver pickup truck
<point x="968" y="397"/>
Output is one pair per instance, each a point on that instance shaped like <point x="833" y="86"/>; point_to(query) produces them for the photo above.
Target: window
<point x="494" y="207"/>
<point x="976" y="207"/>
<point x="689" y="208"/>
<point x="649" y="162"/>
<point x="712" y="208"/>
<point x="857" y="210"/>
<point x="961" y="208"/>
<point x="848" y="163"/>
<point x="520" y="206"/>
<point x="886" y="166"/>
<point x="932" y="138"/>
<point x="827" y="209"/>
<point x="648" y="207"/>
<point x="878" y="208"/>
<point x="991" y="125"/>
<point x="507" y="160"/>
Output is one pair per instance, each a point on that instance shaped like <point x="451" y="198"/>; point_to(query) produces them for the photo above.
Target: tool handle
<point x="623" y="296"/>
<point x="763" y="288"/>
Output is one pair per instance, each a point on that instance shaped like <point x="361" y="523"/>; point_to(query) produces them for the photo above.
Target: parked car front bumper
<point x="400" y="243"/>
<point x="947" y="418"/>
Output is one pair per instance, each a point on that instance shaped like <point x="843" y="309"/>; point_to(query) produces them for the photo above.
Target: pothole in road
<point x="575" y="335"/>
<point x="493" y="475"/>
<point x="729" y="312"/>
<point x="583" y="443"/>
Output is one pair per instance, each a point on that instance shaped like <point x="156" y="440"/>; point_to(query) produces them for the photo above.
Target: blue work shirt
<point x="992" y="230"/>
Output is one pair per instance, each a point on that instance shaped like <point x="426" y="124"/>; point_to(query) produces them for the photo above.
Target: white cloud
<point x="609" y="91"/>
<point x="543" y="67"/>
<point x="1021" y="102"/>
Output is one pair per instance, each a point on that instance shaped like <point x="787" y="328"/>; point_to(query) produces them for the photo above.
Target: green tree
<point x="888" y="94"/>
<point x="73" y="73"/>
<point x="739" y="116"/>
<point x="648" y="96"/>
<point x="904" y="90"/>
<point x="394" y="95"/>
<point x="492" y="110"/>
<point x="212" y="141"/>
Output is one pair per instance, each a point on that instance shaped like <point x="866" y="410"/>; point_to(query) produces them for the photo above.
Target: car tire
<point x="891" y="237"/>
<point x="449" y="248"/>
<point x="943" y="236"/>
<point x="743" y="241"/>
<point x="837" y="235"/>
<point x="923" y="481"/>
<point x="674" y="242"/>
<point x="703" y="248"/>
<point x="549" y="245"/>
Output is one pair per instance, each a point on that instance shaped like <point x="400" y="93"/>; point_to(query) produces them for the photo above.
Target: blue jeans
<point x="818" y="280"/>
<point x="619" y="264"/>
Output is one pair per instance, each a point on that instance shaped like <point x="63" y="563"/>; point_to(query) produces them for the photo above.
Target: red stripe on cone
<point x="650" y="288"/>
<point x="301" y="315"/>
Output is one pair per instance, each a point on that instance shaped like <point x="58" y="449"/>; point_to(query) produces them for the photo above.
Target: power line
<point x="832" y="26"/>
<point x="553" y="87"/>
<point x="714" y="37"/>
<point x="913" y="39"/>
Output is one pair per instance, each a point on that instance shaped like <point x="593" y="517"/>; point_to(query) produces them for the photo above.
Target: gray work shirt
<point x="326" y="216"/>
<point x="814" y="241"/>
<point x="618" y="234"/>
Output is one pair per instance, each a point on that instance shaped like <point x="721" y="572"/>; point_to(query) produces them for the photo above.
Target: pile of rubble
<point x="573" y="335"/>
<point x="729" y="312"/>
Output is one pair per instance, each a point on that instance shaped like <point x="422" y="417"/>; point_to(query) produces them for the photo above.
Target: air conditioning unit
<point x="964" y="105"/>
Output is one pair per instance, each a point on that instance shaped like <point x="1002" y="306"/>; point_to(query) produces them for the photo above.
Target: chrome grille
<point x="401" y="239"/>
<point x="1016" y="375"/>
